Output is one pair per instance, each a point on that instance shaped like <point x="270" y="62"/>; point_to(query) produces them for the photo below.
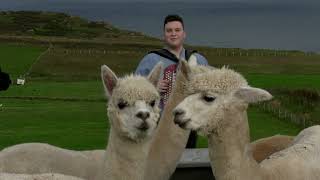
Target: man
<point x="4" y="81"/>
<point x="174" y="36"/>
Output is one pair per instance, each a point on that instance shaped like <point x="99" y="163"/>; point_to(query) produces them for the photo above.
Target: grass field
<point x="72" y="125"/>
<point x="70" y="64"/>
<point x="16" y="60"/>
<point x="78" y="67"/>
<point x="292" y="81"/>
<point x="81" y="89"/>
<point x="269" y="64"/>
<point x="83" y="125"/>
<point x="92" y="89"/>
<point x="67" y="108"/>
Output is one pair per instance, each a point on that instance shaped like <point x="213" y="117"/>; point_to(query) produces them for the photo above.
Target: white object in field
<point x="20" y="81"/>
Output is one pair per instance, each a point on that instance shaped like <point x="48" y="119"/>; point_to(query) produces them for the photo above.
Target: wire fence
<point x="301" y="119"/>
<point x="255" y="52"/>
<point x="211" y="52"/>
<point x="93" y="51"/>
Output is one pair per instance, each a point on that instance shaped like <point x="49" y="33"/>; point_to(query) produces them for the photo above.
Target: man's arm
<point x="201" y="59"/>
<point x="146" y="64"/>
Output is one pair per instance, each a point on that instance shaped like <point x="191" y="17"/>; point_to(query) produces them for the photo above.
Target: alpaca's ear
<point x="154" y="75"/>
<point x="192" y="60"/>
<point x="185" y="69"/>
<point x="252" y="95"/>
<point x="109" y="79"/>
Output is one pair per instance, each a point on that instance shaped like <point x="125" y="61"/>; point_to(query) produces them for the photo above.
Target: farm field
<point x="17" y="60"/>
<point x="63" y="103"/>
<point x="92" y="89"/>
<point x="75" y="125"/>
<point x="83" y="125"/>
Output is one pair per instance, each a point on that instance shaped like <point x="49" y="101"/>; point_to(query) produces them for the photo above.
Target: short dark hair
<point x="173" y="17"/>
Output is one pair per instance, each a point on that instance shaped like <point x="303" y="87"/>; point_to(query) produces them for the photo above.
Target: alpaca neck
<point x="169" y="140"/>
<point x="229" y="150"/>
<point x="125" y="159"/>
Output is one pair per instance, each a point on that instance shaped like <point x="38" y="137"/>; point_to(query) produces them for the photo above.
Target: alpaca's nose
<point x="178" y="113"/>
<point x="143" y="115"/>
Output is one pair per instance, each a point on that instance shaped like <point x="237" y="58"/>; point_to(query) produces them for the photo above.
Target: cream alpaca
<point x="131" y="128"/>
<point x="169" y="141"/>
<point x="34" y="158"/>
<point x="263" y="148"/>
<point x="218" y="110"/>
<point x="133" y="113"/>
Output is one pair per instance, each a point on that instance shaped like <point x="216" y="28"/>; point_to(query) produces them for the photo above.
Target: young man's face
<point x="174" y="34"/>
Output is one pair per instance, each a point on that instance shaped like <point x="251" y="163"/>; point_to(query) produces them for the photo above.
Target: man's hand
<point x="163" y="85"/>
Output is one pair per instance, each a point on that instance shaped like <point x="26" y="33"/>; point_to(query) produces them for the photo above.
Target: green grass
<point x="269" y="64"/>
<point x="264" y="125"/>
<point x="78" y="67"/>
<point x="299" y="71"/>
<point x="16" y="60"/>
<point x="292" y="81"/>
<point x="83" y="125"/>
<point x="71" y="125"/>
<point x="81" y="90"/>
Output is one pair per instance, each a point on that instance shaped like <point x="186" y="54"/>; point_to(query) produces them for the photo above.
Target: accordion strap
<point x="168" y="55"/>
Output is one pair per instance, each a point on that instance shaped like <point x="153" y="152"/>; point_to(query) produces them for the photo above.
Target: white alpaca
<point x="133" y="112"/>
<point x="35" y="158"/>
<point x="263" y="148"/>
<point x="216" y="107"/>
<point x="169" y="141"/>
<point x="48" y="176"/>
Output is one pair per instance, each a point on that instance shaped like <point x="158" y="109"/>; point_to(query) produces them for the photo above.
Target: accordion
<point x="169" y="74"/>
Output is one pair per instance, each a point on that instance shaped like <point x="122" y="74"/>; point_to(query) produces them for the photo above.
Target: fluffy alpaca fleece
<point x="169" y="140"/>
<point x="217" y="108"/>
<point x="34" y="158"/>
<point x="48" y="176"/>
<point x="133" y="113"/>
<point x="127" y="143"/>
<point x="263" y="148"/>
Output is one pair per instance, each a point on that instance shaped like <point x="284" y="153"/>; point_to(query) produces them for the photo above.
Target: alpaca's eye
<point x="209" y="98"/>
<point x="122" y="104"/>
<point x="152" y="103"/>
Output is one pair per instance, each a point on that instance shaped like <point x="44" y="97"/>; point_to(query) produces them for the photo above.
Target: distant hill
<point x="36" y="23"/>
